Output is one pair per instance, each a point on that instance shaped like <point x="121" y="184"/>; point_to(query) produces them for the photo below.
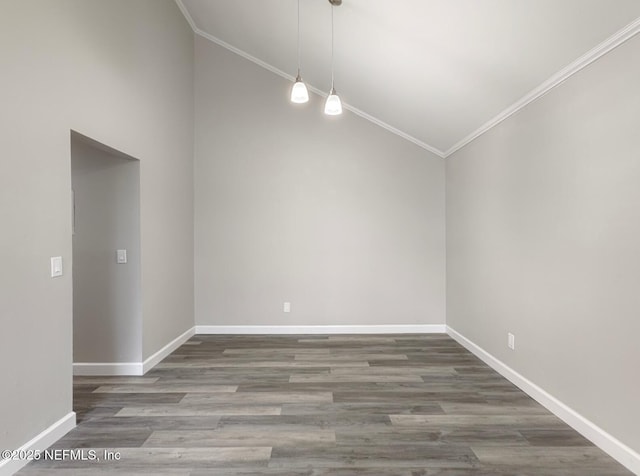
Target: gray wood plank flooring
<point x="396" y="405"/>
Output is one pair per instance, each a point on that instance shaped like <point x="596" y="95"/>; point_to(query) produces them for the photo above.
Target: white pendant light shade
<point x="299" y="93"/>
<point x="333" y="106"/>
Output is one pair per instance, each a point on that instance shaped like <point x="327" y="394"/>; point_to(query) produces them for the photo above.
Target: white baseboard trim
<point x="156" y="358"/>
<point x="382" y="329"/>
<point x="141" y="368"/>
<point x="608" y="443"/>
<point x="39" y="443"/>
<point x="107" y="368"/>
<point x="131" y="368"/>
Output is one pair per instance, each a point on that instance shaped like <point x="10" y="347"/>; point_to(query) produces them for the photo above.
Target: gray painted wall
<point x="543" y="240"/>
<point x="120" y="72"/>
<point x="339" y="217"/>
<point x="107" y="319"/>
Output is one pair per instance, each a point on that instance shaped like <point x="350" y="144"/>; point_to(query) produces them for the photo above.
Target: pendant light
<point x="333" y="106"/>
<point x="299" y="93"/>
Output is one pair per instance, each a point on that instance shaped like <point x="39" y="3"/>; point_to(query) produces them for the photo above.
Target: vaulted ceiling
<point x="438" y="72"/>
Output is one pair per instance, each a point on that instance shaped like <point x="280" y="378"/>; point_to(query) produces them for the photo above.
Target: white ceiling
<point x="435" y="71"/>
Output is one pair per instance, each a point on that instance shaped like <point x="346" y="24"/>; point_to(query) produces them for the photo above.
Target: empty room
<point x="320" y="237"/>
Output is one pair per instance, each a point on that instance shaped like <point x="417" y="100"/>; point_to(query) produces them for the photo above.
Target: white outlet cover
<point x="287" y="307"/>
<point x="511" y="341"/>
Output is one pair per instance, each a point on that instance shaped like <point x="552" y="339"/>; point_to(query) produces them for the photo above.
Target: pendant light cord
<point x="298" y="37"/>
<point x="332" y="47"/>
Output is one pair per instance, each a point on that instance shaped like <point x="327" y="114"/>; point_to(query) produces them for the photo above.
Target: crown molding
<point x="187" y="15"/>
<point x="561" y="76"/>
<point x="315" y="90"/>
<point x="558" y="78"/>
<point x="389" y="127"/>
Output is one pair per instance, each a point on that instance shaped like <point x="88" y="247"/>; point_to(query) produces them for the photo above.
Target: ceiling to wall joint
<point x="358" y="11"/>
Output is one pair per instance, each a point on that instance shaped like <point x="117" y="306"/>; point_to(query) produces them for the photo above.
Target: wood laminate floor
<point x="396" y="405"/>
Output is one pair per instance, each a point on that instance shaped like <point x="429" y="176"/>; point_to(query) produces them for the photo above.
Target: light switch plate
<point x="56" y="266"/>
<point x="121" y="256"/>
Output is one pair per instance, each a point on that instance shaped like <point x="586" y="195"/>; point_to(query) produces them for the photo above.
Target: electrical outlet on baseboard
<point x="511" y="341"/>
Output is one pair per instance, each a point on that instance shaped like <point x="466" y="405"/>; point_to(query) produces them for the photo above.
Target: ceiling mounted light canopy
<point x="333" y="106"/>
<point x="299" y="93"/>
